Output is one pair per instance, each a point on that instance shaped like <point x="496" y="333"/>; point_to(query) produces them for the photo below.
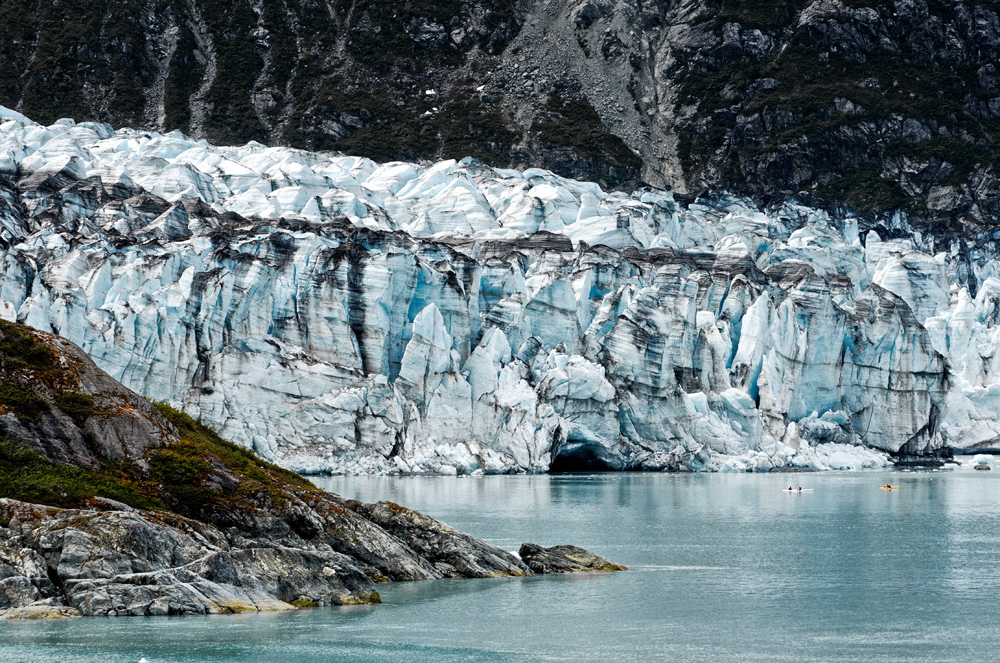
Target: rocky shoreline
<point x="114" y="560"/>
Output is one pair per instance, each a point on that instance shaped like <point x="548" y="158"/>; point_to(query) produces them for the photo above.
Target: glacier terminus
<point x="340" y="315"/>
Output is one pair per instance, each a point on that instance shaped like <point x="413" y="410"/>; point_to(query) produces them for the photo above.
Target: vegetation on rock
<point x="877" y="105"/>
<point x="29" y="477"/>
<point x="183" y="477"/>
<point x="193" y="525"/>
<point x="196" y="473"/>
<point x="179" y="478"/>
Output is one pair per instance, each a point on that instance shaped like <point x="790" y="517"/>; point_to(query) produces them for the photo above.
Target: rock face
<point x="877" y="103"/>
<point x="114" y="560"/>
<point x="452" y="553"/>
<point x="124" y="563"/>
<point x="340" y="315"/>
<point x="56" y="402"/>
<point x="565" y="559"/>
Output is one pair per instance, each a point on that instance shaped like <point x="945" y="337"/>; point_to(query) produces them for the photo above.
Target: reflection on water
<point x="724" y="568"/>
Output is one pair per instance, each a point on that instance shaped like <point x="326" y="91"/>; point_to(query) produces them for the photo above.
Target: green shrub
<point x="20" y="345"/>
<point x="177" y="466"/>
<point x="77" y="405"/>
<point x="21" y="402"/>
<point x="204" y="441"/>
<point x="30" y="477"/>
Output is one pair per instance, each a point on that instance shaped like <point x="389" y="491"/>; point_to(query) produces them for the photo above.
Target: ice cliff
<point x="342" y="315"/>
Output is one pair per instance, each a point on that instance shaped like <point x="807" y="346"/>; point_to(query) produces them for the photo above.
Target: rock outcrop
<point x="452" y="553"/>
<point x="565" y="559"/>
<point x="123" y="562"/>
<point x="55" y="401"/>
<point x="115" y="560"/>
<point x="344" y="316"/>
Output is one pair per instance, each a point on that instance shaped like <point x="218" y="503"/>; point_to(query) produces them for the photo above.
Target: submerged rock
<point x="565" y="559"/>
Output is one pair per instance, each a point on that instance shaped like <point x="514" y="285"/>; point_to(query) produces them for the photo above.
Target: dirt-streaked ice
<point x="341" y="315"/>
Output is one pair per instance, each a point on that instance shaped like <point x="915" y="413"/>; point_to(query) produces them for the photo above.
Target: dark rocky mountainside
<point x="110" y="505"/>
<point x="875" y="103"/>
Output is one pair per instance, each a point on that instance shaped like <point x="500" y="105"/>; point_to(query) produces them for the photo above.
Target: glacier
<point x="340" y="315"/>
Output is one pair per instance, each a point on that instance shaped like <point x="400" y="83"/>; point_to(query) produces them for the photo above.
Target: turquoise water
<point x="724" y="568"/>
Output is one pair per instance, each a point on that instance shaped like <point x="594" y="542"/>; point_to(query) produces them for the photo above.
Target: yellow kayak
<point x="889" y="487"/>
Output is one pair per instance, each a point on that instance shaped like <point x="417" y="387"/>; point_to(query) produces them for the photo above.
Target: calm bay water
<point x="724" y="568"/>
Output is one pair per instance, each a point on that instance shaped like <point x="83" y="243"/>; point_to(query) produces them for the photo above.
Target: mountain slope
<point x="878" y="104"/>
<point x="62" y="407"/>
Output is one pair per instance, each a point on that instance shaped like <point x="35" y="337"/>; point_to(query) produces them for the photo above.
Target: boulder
<point x="565" y="559"/>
